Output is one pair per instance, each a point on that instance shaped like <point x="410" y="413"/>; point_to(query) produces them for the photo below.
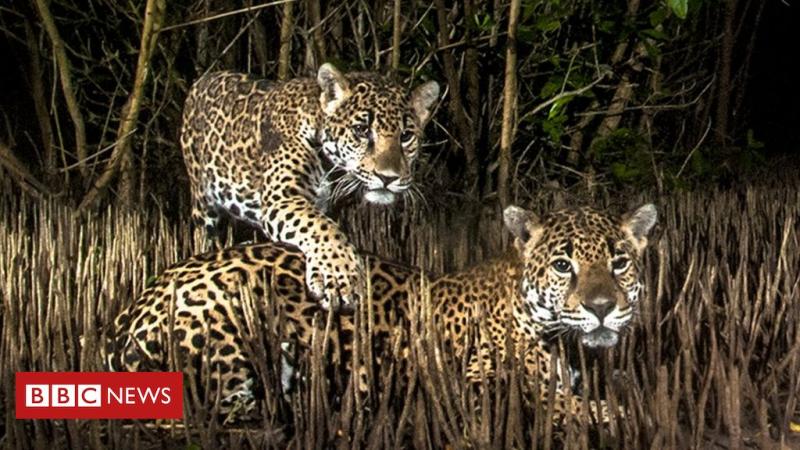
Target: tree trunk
<point x="456" y="107"/>
<point x="121" y="158"/>
<point x="622" y="95"/>
<point x="66" y="82"/>
<point x="472" y="76"/>
<point x="744" y="71"/>
<point x="40" y="105"/>
<point x="726" y="56"/>
<point x="336" y="30"/>
<point x="576" y="139"/>
<point x="287" y="27"/>
<point x="509" y="106"/>
<point x="315" y="16"/>
<point x="396" y="36"/>
<point x="624" y="91"/>
<point x="203" y="55"/>
<point x="258" y="38"/>
<point x="20" y="173"/>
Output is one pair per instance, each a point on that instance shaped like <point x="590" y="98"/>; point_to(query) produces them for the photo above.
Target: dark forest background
<point x="540" y="95"/>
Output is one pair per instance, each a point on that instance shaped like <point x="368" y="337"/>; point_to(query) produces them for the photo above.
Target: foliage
<point x="679" y="7"/>
<point x="586" y="70"/>
<point x="624" y="154"/>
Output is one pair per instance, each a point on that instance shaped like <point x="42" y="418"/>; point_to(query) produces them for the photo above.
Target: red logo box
<point x="99" y="395"/>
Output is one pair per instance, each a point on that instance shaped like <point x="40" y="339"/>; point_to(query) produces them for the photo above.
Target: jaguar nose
<point x="387" y="179"/>
<point x="600" y="306"/>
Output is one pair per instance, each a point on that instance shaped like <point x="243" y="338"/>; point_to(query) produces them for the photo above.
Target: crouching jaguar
<point x="274" y="154"/>
<point x="576" y="270"/>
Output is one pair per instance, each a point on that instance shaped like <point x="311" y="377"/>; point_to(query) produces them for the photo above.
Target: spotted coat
<point x="275" y="154"/>
<point x="575" y="271"/>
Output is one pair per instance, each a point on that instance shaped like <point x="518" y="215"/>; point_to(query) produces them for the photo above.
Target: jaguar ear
<point x="639" y="223"/>
<point x="523" y="224"/>
<point x="334" y="88"/>
<point x="422" y="100"/>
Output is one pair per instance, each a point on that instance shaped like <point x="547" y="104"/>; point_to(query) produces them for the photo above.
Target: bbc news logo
<point x="99" y="395"/>
<point x="63" y="395"/>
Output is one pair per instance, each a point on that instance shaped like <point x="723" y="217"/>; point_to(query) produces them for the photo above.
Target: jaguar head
<point x="582" y="272"/>
<point x="372" y="129"/>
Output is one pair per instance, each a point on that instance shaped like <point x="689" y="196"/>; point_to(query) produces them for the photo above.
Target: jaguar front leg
<point x="334" y="272"/>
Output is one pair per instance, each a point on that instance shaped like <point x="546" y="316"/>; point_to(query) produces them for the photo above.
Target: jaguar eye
<point x="562" y="266"/>
<point x="360" y="130"/>
<point x="406" y="136"/>
<point x="620" y="264"/>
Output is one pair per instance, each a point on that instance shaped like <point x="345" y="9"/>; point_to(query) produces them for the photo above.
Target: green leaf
<point x="657" y="17"/>
<point x="679" y="7"/>
<point x="551" y="87"/>
<point x="623" y="172"/>
<point x="554" y="127"/>
<point x="528" y="10"/>
<point x="655" y="34"/>
<point x="558" y="106"/>
<point x="652" y="50"/>
<point x="525" y="34"/>
<point x="484" y="22"/>
<point x="606" y="26"/>
<point x="547" y="24"/>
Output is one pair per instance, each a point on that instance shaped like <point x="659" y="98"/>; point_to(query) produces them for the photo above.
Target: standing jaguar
<point x="274" y="154"/>
<point x="577" y="271"/>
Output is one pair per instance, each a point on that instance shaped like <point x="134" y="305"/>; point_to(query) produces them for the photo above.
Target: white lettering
<point x="117" y="396"/>
<point x="130" y="395"/>
<point x="148" y="394"/>
<point x="166" y="397"/>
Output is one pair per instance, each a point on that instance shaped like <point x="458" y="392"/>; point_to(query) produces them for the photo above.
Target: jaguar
<point x="575" y="272"/>
<point x="275" y="155"/>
